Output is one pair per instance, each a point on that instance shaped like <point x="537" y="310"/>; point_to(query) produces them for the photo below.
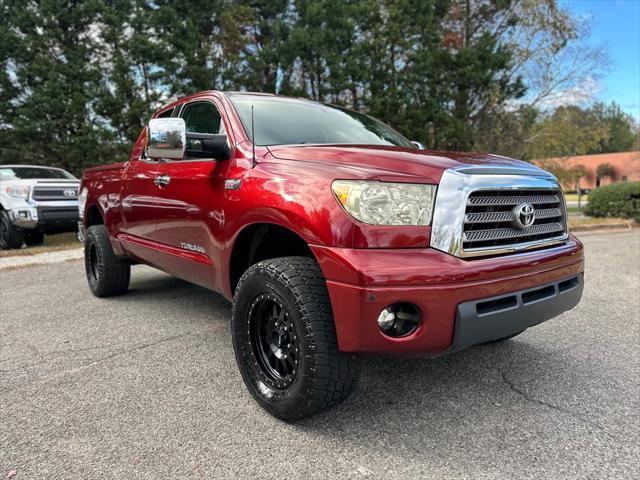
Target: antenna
<point x="253" y="138"/>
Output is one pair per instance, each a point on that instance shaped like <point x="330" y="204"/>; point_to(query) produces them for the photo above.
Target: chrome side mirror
<point x="167" y="138"/>
<point x="418" y="145"/>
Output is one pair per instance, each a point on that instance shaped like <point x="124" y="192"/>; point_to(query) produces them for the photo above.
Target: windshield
<point x="288" y="121"/>
<point x="33" y="173"/>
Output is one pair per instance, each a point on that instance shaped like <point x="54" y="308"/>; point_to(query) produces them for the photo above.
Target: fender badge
<point x="232" y="184"/>
<point x="192" y="247"/>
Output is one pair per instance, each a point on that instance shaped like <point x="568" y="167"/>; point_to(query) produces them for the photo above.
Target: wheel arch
<point x="261" y="241"/>
<point x="93" y="216"/>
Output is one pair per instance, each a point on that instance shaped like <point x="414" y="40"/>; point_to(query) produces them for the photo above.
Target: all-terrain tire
<point x="10" y="236"/>
<point x="107" y="274"/>
<point x="322" y="375"/>
<point x="34" y="238"/>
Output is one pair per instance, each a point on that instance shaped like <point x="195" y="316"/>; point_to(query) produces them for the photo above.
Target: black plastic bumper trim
<point x="57" y="215"/>
<point x="488" y="319"/>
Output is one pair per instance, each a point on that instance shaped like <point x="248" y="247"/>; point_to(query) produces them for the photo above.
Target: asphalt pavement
<point x="145" y="386"/>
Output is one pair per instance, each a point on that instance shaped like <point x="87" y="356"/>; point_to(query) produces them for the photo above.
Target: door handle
<point x="162" y="180"/>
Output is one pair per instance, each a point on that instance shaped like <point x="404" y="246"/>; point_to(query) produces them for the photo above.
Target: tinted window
<point x="30" y="173"/>
<point x="166" y="113"/>
<point x="201" y="117"/>
<point x="286" y="121"/>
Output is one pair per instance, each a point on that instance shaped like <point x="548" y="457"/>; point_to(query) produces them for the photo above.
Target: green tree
<point x="604" y="170"/>
<point x="131" y="84"/>
<point x="254" y="35"/>
<point x="509" y="131"/>
<point x="79" y="79"/>
<point x="51" y="74"/>
<point x="566" y="132"/>
<point x="190" y="36"/>
<point x="324" y="46"/>
<point x="620" y="129"/>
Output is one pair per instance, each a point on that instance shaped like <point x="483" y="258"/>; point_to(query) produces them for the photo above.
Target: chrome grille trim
<point x="491" y="217"/>
<point x="53" y="192"/>
<point x="512" y="200"/>
<point x="496" y="188"/>
<point x="502" y="233"/>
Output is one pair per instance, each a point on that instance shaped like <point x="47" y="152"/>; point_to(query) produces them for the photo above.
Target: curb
<point x="45" y="258"/>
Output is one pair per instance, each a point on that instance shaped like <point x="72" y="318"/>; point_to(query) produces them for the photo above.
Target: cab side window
<point x="202" y="117"/>
<point x="166" y="113"/>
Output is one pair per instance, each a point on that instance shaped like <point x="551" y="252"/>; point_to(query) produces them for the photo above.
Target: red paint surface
<point x="366" y="266"/>
<point x="363" y="282"/>
<point x="187" y="255"/>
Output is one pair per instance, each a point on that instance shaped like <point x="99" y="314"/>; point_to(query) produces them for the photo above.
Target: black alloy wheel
<point x="4" y="232"/>
<point x="106" y="273"/>
<point x="274" y="341"/>
<point x="10" y="236"/>
<point x="94" y="270"/>
<point x="285" y="340"/>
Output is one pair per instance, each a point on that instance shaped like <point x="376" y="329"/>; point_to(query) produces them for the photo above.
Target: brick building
<point x="626" y="166"/>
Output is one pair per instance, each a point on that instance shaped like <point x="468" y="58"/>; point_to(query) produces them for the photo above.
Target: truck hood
<point x="382" y="160"/>
<point x="48" y="181"/>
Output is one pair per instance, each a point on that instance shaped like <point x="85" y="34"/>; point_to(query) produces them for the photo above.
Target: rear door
<point x="189" y="204"/>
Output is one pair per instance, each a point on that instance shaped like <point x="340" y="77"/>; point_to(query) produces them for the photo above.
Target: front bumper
<point x="446" y="289"/>
<point x="58" y="219"/>
<point x="26" y="218"/>
<point x="46" y="218"/>
<point x="488" y="319"/>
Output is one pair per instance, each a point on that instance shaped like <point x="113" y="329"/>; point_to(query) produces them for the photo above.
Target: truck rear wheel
<point x="10" y="236"/>
<point x="107" y="274"/>
<point x="285" y="341"/>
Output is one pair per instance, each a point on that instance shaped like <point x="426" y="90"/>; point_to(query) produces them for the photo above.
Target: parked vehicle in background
<point x="332" y="234"/>
<point x="34" y="201"/>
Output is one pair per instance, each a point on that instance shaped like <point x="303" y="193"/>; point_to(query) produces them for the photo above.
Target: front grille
<point x="489" y="220"/>
<point x="54" y="193"/>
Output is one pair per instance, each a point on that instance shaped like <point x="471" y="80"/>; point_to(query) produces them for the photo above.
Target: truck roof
<point x="12" y="165"/>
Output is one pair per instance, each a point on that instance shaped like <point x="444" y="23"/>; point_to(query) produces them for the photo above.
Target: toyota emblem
<point x="69" y="192"/>
<point x="524" y="215"/>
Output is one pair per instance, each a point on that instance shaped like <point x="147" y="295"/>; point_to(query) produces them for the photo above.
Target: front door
<point x="189" y="205"/>
<point x="138" y="193"/>
<point x="137" y="204"/>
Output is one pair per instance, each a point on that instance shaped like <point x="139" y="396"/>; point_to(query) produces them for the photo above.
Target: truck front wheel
<point x="34" y="238"/>
<point x="10" y="236"/>
<point x="285" y="341"/>
<point x="107" y="274"/>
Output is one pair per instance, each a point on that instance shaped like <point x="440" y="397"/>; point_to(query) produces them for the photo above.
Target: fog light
<point x="386" y="319"/>
<point x="399" y="319"/>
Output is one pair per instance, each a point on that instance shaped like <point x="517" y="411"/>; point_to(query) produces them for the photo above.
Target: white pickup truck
<point x="35" y="200"/>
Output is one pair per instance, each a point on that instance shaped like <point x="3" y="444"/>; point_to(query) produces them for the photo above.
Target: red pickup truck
<point x="332" y="234"/>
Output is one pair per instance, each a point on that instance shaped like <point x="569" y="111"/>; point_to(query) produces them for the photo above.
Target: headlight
<point x="18" y="191"/>
<point x="383" y="203"/>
